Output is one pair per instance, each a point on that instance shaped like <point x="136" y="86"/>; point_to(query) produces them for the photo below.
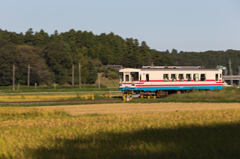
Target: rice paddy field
<point x="227" y="95"/>
<point x="19" y="97"/>
<point x="163" y="130"/>
<point x="199" y="124"/>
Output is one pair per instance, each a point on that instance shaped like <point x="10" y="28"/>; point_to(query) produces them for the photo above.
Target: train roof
<point x="184" y="69"/>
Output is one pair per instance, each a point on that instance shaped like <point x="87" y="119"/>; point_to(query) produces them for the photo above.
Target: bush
<point x="112" y="75"/>
<point x="100" y="69"/>
<point x="113" y="69"/>
<point x="105" y="73"/>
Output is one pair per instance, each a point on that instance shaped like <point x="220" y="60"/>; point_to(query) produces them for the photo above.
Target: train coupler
<point x="127" y="97"/>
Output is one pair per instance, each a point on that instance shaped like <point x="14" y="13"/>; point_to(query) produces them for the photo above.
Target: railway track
<point x="61" y="101"/>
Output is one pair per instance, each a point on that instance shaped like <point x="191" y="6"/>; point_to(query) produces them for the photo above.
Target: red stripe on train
<point x="179" y="85"/>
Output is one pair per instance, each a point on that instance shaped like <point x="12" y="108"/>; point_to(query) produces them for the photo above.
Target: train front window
<point x="120" y="76"/>
<point x="135" y="76"/>
<point x="127" y="78"/>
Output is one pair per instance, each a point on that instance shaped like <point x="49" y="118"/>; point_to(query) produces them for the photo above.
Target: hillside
<point x="51" y="57"/>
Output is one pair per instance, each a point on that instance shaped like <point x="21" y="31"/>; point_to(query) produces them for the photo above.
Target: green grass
<point x="216" y="95"/>
<point x="110" y="83"/>
<point x="226" y="95"/>
<point x="8" y="89"/>
<point x="106" y="85"/>
<point x="51" y="133"/>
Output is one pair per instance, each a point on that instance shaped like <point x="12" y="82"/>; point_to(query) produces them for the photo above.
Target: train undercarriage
<point x="151" y="94"/>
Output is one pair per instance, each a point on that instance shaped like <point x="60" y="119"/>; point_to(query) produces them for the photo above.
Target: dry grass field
<point x="163" y="130"/>
<point x="133" y="108"/>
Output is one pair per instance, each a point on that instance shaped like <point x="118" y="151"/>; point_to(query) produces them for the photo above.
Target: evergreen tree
<point x="29" y="37"/>
<point x="59" y="61"/>
<point x="145" y="54"/>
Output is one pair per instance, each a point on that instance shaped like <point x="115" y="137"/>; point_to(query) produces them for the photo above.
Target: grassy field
<point x="106" y="85"/>
<point x="227" y="95"/>
<point x="109" y="83"/>
<point x="135" y="108"/>
<point x="8" y="89"/>
<point x="53" y="133"/>
<point x="54" y="96"/>
<point x="224" y="94"/>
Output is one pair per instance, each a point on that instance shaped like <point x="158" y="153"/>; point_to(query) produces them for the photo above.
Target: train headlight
<point x="120" y="84"/>
<point x="132" y="84"/>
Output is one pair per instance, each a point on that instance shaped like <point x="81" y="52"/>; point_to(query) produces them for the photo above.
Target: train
<point x="164" y="80"/>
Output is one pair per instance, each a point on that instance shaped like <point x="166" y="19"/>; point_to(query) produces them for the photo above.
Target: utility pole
<point x="79" y="69"/>
<point x="28" y="75"/>
<point x="13" y="77"/>
<point x="99" y="80"/>
<point x="72" y="75"/>
<point x="230" y="69"/>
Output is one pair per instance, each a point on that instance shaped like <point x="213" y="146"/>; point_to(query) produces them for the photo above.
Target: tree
<point x="174" y="52"/>
<point x="8" y="58"/>
<point x="59" y="61"/>
<point x="29" y="37"/>
<point x="39" y="71"/>
<point x="145" y="54"/>
<point x="92" y="77"/>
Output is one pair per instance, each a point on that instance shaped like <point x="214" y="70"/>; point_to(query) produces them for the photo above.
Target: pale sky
<point x="185" y="25"/>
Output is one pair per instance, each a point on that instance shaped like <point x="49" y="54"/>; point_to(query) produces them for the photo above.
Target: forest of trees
<point x="51" y="56"/>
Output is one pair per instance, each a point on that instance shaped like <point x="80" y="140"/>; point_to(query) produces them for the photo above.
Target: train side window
<point x="147" y="77"/>
<point x="173" y="77"/>
<point x="196" y="77"/>
<point x="188" y="77"/>
<point x="127" y="78"/>
<point x="134" y="76"/>
<point x="203" y="77"/>
<point x="220" y="75"/>
<point x="216" y="77"/>
<point x="165" y="78"/>
<point x="140" y="77"/>
<point x="181" y="77"/>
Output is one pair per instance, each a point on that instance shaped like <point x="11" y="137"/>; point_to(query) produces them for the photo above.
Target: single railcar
<point x="169" y="79"/>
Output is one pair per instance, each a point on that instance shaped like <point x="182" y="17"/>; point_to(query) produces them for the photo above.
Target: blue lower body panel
<point x="169" y="88"/>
